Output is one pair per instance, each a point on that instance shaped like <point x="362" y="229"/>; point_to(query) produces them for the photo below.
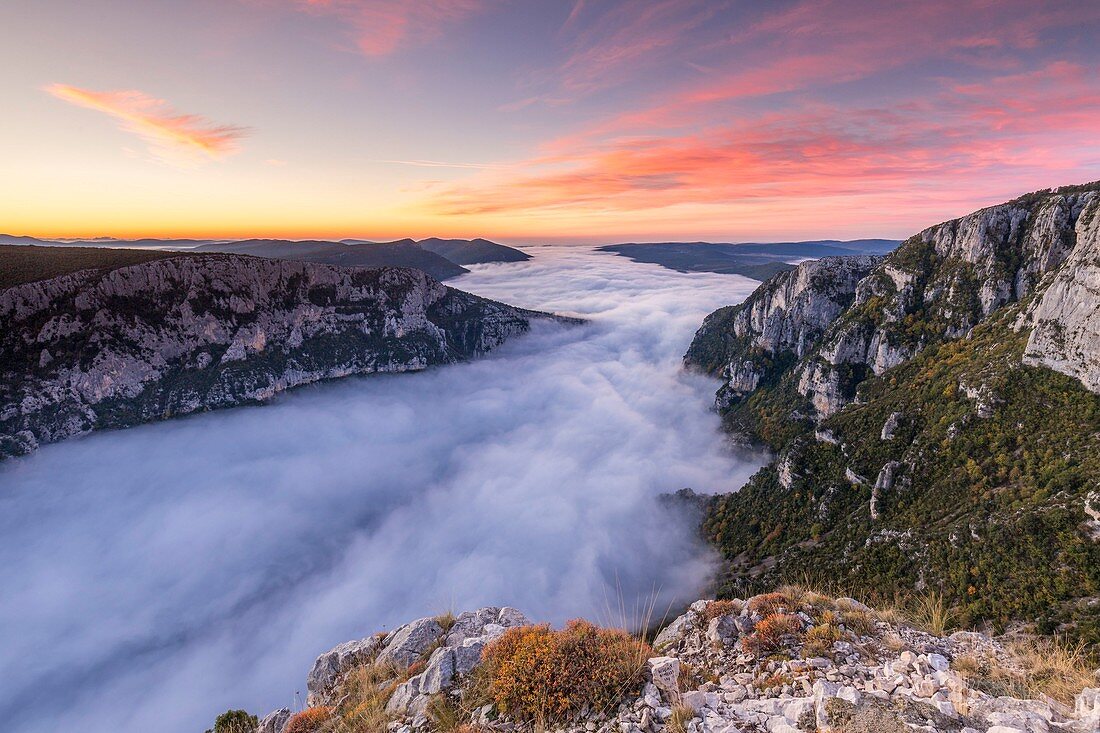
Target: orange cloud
<point x="381" y="26"/>
<point x="1013" y="128"/>
<point x="171" y="136"/>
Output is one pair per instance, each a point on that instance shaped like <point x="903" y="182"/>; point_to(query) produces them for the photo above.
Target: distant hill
<point x="758" y="260"/>
<point x="21" y="263"/>
<point x="403" y="253"/>
<point x="440" y="258"/>
<point x="473" y="251"/>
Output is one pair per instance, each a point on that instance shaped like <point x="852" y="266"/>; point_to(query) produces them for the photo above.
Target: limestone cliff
<point x="105" y="349"/>
<point x="843" y="319"/>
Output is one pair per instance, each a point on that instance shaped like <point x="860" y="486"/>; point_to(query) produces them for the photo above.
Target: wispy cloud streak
<point x="171" y="136"/>
<point x="380" y="27"/>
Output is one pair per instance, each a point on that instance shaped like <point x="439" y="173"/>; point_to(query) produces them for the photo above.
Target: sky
<point x="534" y="121"/>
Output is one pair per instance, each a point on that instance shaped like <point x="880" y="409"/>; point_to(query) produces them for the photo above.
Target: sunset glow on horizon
<point x="538" y="121"/>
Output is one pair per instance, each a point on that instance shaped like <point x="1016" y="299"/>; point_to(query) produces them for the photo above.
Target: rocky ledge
<point x="97" y="349"/>
<point x="779" y="662"/>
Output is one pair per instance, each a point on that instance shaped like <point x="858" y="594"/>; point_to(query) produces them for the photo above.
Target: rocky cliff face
<point x="94" y="349"/>
<point x="778" y="662"/>
<point x="781" y="321"/>
<point x="1065" y="333"/>
<point x="843" y="319"/>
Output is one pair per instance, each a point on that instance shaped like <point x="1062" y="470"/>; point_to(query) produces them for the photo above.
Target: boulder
<point x="665" y="673"/>
<point x="275" y="722"/>
<point x="333" y="664"/>
<point x="408" y="643"/>
<point x="723" y="630"/>
<point x="675" y="632"/>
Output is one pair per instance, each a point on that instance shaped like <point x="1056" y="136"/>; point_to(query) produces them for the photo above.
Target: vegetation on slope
<point x="987" y="508"/>
<point x="23" y="263"/>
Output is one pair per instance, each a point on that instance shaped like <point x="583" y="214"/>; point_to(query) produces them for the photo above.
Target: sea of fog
<point x="156" y="576"/>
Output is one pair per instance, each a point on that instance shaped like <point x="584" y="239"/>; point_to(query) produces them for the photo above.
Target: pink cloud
<point x="381" y="26"/>
<point x="170" y="135"/>
<point x="950" y="144"/>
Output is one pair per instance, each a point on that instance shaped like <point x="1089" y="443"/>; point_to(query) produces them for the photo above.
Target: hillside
<point x="404" y="253"/>
<point x="784" y="662"/>
<point x="26" y="263"/>
<point x="932" y="415"/>
<point x="472" y="251"/>
<point x="759" y="261"/>
<point x="122" y="344"/>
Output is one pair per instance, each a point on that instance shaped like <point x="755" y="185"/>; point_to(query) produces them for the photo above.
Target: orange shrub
<point x="309" y="720"/>
<point x="715" y="609"/>
<point x="768" y="603"/>
<point x="769" y="633"/>
<point x="540" y="675"/>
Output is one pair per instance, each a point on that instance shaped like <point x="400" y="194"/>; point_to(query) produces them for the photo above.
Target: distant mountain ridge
<point x="757" y="260"/>
<point x="441" y="258"/>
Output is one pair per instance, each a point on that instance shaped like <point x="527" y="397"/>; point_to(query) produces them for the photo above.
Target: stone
<point x="440" y="672"/>
<point x="275" y="722"/>
<point x="674" y="633"/>
<point x="665" y="674"/>
<point x="333" y="664"/>
<point x="694" y="699"/>
<point x="410" y="641"/>
<point x="723" y="630"/>
<point x="938" y="662"/>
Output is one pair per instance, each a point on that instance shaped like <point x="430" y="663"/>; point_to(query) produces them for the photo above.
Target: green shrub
<point x="234" y="721"/>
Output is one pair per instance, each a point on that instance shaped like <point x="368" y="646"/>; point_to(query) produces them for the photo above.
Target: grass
<point x="1038" y="666"/>
<point x="678" y="721"/>
<point x="363" y="694"/>
<point x="932" y="613"/>
<point x="770" y="633"/>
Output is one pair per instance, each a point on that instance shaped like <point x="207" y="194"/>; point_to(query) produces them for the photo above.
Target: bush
<point x="234" y="721"/>
<point x="309" y="720"/>
<point x="768" y="604"/>
<point x="540" y="675"/>
<point x="768" y="634"/>
<point x="820" y="639"/>
<point x="715" y="609"/>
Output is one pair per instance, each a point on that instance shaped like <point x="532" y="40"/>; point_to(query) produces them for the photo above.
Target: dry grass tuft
<point x="678" y="721"/>
<point x="932" y="613"/>
<point x="446" y="620"/>
<point x="1037" y="666"/>
<point x="544" y="676"/>
<point x="860" y="623"/>
<point x="820" y="640"/>
<point x="363" y="694"/>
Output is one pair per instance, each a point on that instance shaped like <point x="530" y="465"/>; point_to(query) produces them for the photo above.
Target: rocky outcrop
<point x="783" y="663"/>
<point x="832" y="323"/>
<point x="447" y="649"/>
<point x="784" y="317"/>
<point x="1066" y="321"/>
<point x="93" y="349"/>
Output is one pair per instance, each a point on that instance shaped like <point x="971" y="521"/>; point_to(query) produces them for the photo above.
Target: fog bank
<point x="159" y="575"/>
